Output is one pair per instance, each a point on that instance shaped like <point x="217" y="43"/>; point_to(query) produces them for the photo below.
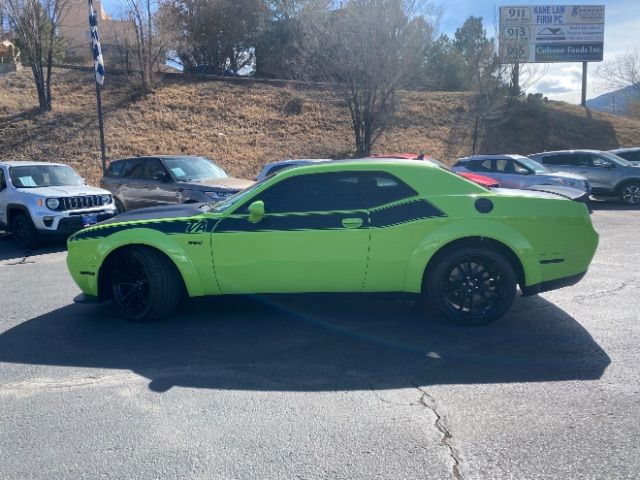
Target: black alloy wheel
<point x="472" y="286"/>
<point x="145" y="284"/>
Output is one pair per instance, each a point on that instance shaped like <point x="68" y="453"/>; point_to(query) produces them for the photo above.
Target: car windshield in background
<point x="533" y="165"/>
<point x="616" y="159"/>
<point x="185" y="169"/>
<point x="233" y="199"/>
<point x="34" y="176"/>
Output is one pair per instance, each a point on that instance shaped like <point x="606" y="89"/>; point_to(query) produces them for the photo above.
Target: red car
<point x="474" y="177"/>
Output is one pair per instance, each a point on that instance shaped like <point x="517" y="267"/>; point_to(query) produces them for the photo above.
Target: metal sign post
<point x="584" y="84"/>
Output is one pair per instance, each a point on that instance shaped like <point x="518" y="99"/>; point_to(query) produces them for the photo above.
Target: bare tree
<point x="148" y="46"/>
<point x="369" y="48"/>
<point x="622" y="71"/>
<point x="35" y="25"/>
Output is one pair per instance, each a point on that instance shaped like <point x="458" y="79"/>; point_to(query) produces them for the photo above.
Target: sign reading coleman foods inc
<point x="552" y="33"/>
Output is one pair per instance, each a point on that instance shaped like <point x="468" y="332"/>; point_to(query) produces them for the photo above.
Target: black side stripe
<point x="290" y="222"/>
<point x="167" y="227"/>
<point x="403" y="213"/>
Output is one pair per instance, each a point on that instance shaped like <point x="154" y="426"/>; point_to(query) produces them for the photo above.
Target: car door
<point x="159" y="185"/>
<point x="600" y="172"/>
<point x="313" y="238"/>
<point x="129" y="190"/>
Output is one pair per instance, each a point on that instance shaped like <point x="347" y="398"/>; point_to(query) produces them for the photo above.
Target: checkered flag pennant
<point x="95" y="44"/>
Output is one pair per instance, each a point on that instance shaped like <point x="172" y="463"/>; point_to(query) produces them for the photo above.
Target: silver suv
<point x="607" y="173"/>
<point x="39" y="200"/>
<point x="516" y="171"/>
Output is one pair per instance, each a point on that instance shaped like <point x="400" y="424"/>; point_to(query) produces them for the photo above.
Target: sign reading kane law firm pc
<point x="552" y="33"/>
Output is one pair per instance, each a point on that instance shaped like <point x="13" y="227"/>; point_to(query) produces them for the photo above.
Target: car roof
<point x="295" y="161"/>
<point x="513" y="156"/>
<point x="581" y="150"/>
<point x="334" y="165"/>
<point x="144" y="157"/>
<point x="25" y="163"/>
<point x="622" y="150"/>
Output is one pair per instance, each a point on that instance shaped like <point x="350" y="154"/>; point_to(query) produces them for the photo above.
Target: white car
<point x="40" y="200"/>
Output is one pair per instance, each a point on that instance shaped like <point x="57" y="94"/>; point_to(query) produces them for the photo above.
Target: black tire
<point x="630" y="193"/>
<point x="471" y="285"/>
<point x="24" y="232"/>
<point x="119" y="207"/>
<point x="145" y="284"/>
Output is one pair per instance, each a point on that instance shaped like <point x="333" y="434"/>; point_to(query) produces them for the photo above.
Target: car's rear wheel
<point x="24" y="232"/>
<point x="471" y="285"/>
<point x="145" y="284"/>
<point x="630" y="193"/>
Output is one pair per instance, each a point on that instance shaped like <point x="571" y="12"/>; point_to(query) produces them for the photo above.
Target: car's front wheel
<point x="630" y="193"/>
<point x="24" y="232"/>
<point x="471" y="285"/>
<point x="145" y="284"/>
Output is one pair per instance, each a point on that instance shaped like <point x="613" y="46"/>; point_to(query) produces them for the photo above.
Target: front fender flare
<point x="451" y="232"/>
<point x="151" y="238"/>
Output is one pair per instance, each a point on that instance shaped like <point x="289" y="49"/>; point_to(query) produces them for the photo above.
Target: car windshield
<point x="228" y="202"/>
<point x="34" y="176"/>
<point x="184" y="169"/>
<point x="616" y="159"/>
<point x="532" y="165"/>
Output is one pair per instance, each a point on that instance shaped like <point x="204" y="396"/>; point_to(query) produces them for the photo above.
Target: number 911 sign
<point x="551" y="33"/>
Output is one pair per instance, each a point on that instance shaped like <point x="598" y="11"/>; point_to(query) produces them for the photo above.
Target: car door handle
<point x="351" y="222"/>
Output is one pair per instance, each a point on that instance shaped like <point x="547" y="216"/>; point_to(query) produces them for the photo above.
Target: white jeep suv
<point x="39" y="200"/>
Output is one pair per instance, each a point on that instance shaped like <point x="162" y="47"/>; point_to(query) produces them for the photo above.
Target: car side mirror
<point x="256" y="211"/>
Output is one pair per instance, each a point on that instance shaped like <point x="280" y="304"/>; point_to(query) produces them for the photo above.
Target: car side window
<point x="480" y="166"/>
<point x="557" y="159"/>
<point x="153" y="167"/>
<point x="136" y="169"/>
<point x="3" y="184"/>
<point x="333" y="191"/>
<point x="519" y="168"/>
<point x="600" y="162"/>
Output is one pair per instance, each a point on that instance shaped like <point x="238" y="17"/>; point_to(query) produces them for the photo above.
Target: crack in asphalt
<point x="622" y="286"/>
<point x="440" y="423"/>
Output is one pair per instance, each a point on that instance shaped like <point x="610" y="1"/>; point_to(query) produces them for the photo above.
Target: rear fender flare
<point x="449" y="233"/>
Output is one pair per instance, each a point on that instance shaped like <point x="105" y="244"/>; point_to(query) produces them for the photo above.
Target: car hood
<point x="517" y="192"/>
<point x="183" y="210"/>
<point x="562" y="174"/>
<point x="65" y="191"/>
<point x="229" y="183"/>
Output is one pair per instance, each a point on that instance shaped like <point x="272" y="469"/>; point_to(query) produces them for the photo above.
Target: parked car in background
<point x="517" y="171"/>
<point x="608" y="174"/>
<point x="274" y="167"/>
<point x="474" y="177"/>
<point x="168" y="179"/>
<point x="47" y="200"/>
<point x="630" y="154"/>
<point x="347" y="226"/>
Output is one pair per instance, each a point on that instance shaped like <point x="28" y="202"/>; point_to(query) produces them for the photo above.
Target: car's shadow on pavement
<point x="10" y="251"/>
<point x="312" y="343"/>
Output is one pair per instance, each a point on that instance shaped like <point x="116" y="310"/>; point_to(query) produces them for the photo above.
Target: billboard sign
<point x="552" y="33"/>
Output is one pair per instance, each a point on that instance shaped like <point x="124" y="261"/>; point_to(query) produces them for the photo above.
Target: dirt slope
<point x="244" y="126"/>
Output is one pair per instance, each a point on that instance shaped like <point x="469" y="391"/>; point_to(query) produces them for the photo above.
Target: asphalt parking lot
<point x="325" y="386"/>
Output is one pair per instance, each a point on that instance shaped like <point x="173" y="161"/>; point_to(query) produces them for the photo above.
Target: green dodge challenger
<point x="342" y="226"/>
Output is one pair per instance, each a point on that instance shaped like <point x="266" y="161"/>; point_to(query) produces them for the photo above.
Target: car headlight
<point x="106" y="199"/>
<point x="217" y="195"/>
<point x="52" y="203"/>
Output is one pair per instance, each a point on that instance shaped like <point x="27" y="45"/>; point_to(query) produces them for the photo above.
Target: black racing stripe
<point x="167" y="227"/>
<point x="290" y="222"/>
<point x="403" y="213"/>
<point x="551" y="260"/>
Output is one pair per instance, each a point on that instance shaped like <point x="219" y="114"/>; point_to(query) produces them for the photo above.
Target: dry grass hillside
<point x="244" y="126"/>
